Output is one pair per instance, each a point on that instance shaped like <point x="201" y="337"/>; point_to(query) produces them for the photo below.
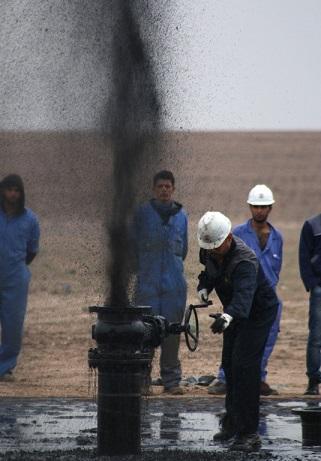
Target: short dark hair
<point x="164" y="174"/>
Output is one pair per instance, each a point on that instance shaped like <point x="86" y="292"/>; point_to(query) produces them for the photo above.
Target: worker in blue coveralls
<point x="250" y="305"/>
<point x="267" y="243"/>
<point x="161" y="241"/>
<point x="19" y="243"/>
<point x="310" y="270"/>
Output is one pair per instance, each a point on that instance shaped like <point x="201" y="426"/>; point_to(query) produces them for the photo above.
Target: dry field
<point x="65" y="177"/>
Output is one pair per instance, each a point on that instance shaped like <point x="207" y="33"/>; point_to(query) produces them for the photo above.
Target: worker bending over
<point x="250" y="307"/>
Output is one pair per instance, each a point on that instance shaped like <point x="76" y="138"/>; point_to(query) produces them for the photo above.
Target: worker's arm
<point x="244" y="285"/>
<point x="272" y="260"/>
<point x="185" y="239"/>
<point x="308" y="276"/>
<point x="205" y="281"/>
<point x="280" y="255"/>
<point x="33" y="241"/>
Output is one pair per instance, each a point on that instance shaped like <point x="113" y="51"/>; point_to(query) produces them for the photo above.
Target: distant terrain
<point x="68" y="180"/>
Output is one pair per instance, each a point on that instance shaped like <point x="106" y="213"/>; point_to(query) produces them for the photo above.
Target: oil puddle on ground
<point x="177" y="424"/>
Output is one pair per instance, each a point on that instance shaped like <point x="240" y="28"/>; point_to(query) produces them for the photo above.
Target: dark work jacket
<point x="239" y="282"/>
<point x="310" y="252"/>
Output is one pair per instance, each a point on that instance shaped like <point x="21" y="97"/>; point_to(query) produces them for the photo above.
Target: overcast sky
<point x="225" y="64"/>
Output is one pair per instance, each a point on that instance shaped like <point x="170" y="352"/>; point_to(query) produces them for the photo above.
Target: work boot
<point x="265" y="389"/>
<point x="246" y="442"/>
<point x="227" y="430"/>
<point x="146" y="391"/>
<point x="175" y="390"/>
<point x="313" y="387"/>
<point x="217" y="388"/>
<point x="223" y="435"/>
<point x="7" y="377"/>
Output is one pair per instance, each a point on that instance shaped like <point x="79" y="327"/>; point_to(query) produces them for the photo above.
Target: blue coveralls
<point x="161" y="250"/>
<point x="19" y="236"/>
<point x="270" y="259"/>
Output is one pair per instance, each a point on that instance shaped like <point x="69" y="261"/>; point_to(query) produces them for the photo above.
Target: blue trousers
<point x="270" y="343"/>
<point x="13" y="304"/>
<point x="314" y="339"/>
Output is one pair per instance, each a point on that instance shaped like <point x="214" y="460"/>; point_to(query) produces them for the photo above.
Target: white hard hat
<point x="213" y="228"/>
<point x="260" y="195"/>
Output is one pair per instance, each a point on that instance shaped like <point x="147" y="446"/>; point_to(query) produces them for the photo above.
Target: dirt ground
<point x="69" y="273"/>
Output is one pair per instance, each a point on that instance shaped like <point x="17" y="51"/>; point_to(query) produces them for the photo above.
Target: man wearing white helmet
<point x="250" y="306"/>
<point x="267" y="243"/>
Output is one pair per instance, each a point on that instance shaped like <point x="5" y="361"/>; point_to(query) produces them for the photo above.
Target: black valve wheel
<point x="191" y="328"/>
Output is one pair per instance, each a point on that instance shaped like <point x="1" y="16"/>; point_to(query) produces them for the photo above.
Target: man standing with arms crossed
<point x="310" y="269"/>
<point x="267" y="243"/>
<point x="19" y="244"/>
<point x="160" y="228"/>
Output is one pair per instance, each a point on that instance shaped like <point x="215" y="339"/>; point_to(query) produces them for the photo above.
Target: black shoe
<point x="223" y="436"/>
<point x="7" y="377"/>
<point x="227" y="429"/>
<point x="266" y="389"/>
<point x="218" y="387"/>
<point x="313" y="387"/>
<point x="174" y="390"/>
<point x="246" y="442"/>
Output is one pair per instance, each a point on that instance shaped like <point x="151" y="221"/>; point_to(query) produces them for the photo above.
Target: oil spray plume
<point x="135" y="120"/>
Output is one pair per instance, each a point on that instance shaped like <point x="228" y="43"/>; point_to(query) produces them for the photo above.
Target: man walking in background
<point x="267" y="243"/>
<point x="161" y="239"/>
<point x="19" y="243"/>
<point x="249" y="309"/>
<point x="310" y="269"/>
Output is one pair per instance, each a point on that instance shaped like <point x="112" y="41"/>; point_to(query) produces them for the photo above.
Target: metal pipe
<point x="126" y="338"/>
<point x="122" y="358"/>
<point x="311" y="425"/>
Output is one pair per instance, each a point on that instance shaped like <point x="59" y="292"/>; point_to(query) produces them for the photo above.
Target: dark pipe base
<point x="311" y="425"/>
<point x="122" y="360"/>
<point x="118" y="417"/>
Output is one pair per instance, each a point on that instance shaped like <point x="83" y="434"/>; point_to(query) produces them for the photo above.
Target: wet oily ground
<point x="172" y="429"/>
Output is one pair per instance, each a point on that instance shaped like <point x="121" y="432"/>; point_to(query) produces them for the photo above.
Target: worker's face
<point x="163" y="190"/>
<point x="260" y="213"/>
<point x="224" y="248"/>
<point x="12" y="195"/>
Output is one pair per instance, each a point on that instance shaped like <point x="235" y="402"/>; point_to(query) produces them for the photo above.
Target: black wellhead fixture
<point x="126" y="338"/>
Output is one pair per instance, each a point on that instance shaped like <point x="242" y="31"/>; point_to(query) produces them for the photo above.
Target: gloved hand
<point x="221" y="322"/>
<point x="203" y="295"/>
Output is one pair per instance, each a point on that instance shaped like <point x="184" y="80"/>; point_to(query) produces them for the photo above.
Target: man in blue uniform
<point x="161" y="239"/>
<point x="267" y="243"/>
<point x="250" y="306"/>
<point x="19" y="242"/>
<point x="310" y="269"/>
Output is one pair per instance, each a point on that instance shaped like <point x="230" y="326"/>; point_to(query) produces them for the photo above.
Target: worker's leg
<point x="170" y="366"/>
<point x="221" y="374"/>
<point x="314" y="339"/>
<point x="270" y="343"/>
<point x="172" y="308"/>
<point x="228" y="422"/>
<point x="246" y="365"/>
<point x="12" y="313"/>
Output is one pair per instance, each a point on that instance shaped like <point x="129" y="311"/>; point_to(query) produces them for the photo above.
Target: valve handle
<point x="192" y="337"/>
